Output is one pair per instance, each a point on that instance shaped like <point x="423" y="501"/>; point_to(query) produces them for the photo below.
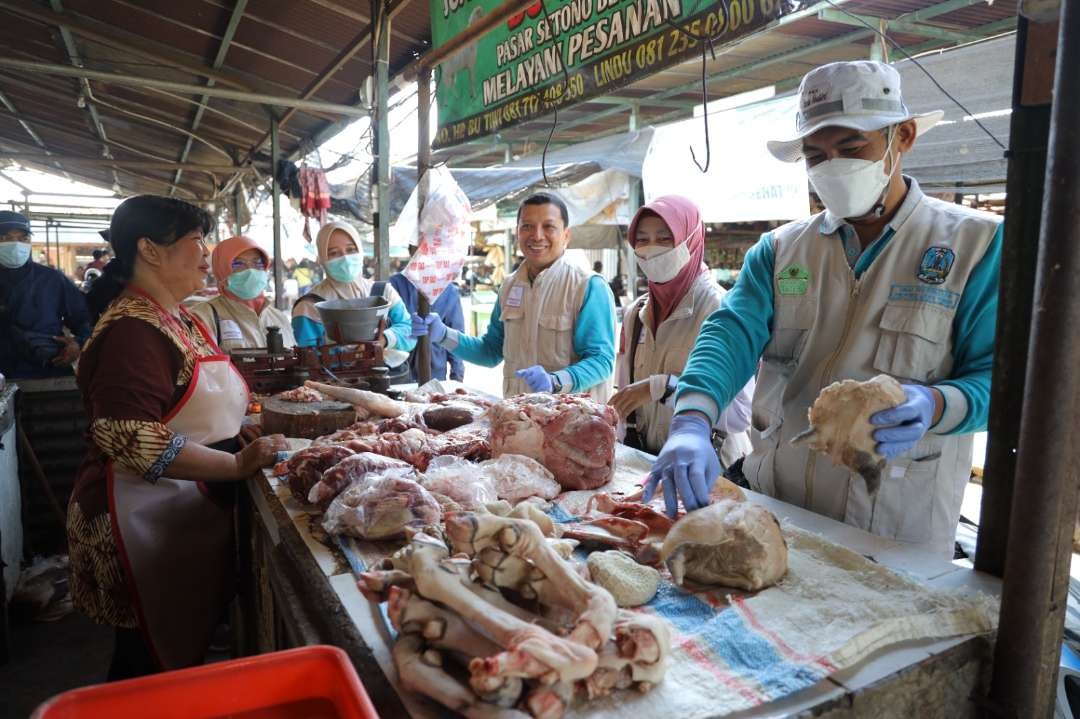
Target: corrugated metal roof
<point x="279" y="48"/>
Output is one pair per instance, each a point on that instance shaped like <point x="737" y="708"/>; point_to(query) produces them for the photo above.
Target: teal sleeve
<point x="594" y="337"/>
<point x="487" y="350"/>
<point x="401" y="326"/>
<point x="731" y="340"/>
<point x="308" y="332"/>
<point x="973" y="338"/>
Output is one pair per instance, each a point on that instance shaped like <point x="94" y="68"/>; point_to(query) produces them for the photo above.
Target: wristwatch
<point x="556" y="383"/>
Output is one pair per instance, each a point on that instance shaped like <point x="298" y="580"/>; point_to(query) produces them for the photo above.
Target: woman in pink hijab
<point x="660" y="327"/>
<point x="241" y="314"/>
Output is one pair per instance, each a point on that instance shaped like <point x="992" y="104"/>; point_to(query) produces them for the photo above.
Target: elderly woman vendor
<point x="240" y="315"/>
<point x="149" y="526"/>
<point x="338" y="245"/>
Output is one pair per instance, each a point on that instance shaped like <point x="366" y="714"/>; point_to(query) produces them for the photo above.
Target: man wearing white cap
<point x="885" y="281"/>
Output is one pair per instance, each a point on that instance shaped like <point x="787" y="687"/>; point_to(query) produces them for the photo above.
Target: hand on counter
<point x="249" y="433"/>
<point x="263" y="452"/>
<point x="630" y="397"/>
<point x="687" y="466"/>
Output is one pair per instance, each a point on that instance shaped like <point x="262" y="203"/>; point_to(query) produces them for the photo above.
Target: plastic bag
<point x="381" y="507"/>
<point x="460" y="480"/>
<point x="442" y="235"/>
<point x="517" y="477"/>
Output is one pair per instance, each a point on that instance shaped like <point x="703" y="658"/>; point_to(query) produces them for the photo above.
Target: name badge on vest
<point x="793" y="280"/>
<point x="230" y="332"/>
<point x="514" y="297"/>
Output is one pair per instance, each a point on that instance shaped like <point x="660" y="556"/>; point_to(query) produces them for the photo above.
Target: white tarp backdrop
<point x="744" y="182"/>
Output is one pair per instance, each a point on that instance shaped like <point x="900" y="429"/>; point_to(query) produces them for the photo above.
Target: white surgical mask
<point x="662" y="264"/>
<point x="849" y="187"/>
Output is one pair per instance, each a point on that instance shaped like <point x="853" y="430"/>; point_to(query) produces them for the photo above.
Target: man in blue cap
<point x="36" y="304"/>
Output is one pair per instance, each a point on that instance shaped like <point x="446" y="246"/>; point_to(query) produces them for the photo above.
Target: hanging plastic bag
<point x="442" y="235"/>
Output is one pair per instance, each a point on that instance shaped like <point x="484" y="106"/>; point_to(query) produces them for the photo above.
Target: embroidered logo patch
<point x="793" y="280"/>
<point x="935" y="265"/>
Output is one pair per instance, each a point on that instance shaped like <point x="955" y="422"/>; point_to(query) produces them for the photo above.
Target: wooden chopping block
<point x="305" y="419"/>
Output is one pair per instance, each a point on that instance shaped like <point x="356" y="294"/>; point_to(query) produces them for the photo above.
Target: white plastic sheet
<point x="442" y="234"/>
<point x="744" y="182"/>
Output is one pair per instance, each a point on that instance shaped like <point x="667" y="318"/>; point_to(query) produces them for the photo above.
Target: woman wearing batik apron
<point x="149" y="521"/>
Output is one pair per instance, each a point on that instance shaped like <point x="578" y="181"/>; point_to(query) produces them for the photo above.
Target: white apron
<point x="174" y="540"/>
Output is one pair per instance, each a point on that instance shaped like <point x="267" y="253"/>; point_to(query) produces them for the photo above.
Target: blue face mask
<point x="14" y="254"/>
<point x="247" y="284"/>
<point x="345" y="268"/>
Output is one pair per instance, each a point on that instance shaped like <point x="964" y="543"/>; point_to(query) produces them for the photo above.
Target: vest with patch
<point x="236" y="326"/>
<point x="538" y="323"/>
<point x="896" y="319"/>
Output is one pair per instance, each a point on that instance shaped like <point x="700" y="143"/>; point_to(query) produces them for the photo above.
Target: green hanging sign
<point x="515" y="72"/>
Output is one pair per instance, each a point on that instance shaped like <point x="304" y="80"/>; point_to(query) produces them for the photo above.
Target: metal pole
<point x="181" y="87"/>
<point x="382" y="141"/>
<point x="236" y="209"/>
<point x="133" y="164"/>
<point x="423" y="164"/>
<point x="1029" y="134"/>
<point x="279" y="265"/>
<point x="1043" y="513"/>
<point x="634" y="203"/>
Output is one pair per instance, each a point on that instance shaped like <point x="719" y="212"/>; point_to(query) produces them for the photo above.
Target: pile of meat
<point x="499" y="598"/>
<point x="534" y="445"/>
<point x="495" y="617"/>
<point x="301" y="394"/>
<point x="571" y="435"/>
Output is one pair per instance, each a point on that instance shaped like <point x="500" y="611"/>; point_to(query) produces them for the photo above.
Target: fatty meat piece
<point x="728" y="544"/>
<point x="517" y="477"/>
<point x="572" y="435"/>
<point x="840" y="425"/>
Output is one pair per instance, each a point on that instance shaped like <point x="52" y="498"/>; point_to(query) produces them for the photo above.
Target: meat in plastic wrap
<point x="517" y="477"/>
<point x="460" y="480"/>
<point x="382" y="506"/>
<point x="349" y="471"/>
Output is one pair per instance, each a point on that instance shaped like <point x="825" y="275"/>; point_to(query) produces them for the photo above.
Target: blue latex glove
<point x="906" y="423"/>
<point x="430" y="325"/>
<point x="687" y="464"/>
<point x="537" y="378"/>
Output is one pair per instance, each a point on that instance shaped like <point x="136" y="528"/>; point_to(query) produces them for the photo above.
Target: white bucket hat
<point x="861" y="95"/>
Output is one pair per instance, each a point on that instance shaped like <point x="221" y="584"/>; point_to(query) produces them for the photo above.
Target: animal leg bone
<point x="379" y="404"/>
<point x="549" y="702"/>
<point x="636" y="657"/>
<point x="418" y="672"/>
<point x="472" y="533"/>
<point x="531" y="651"/>
<point x="440" y="628"/>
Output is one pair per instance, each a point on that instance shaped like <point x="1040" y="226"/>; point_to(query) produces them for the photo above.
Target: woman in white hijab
<point x="338" y="245"/>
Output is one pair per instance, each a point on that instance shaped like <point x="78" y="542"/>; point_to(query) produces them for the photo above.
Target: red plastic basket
<point x="315" y="682"/>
